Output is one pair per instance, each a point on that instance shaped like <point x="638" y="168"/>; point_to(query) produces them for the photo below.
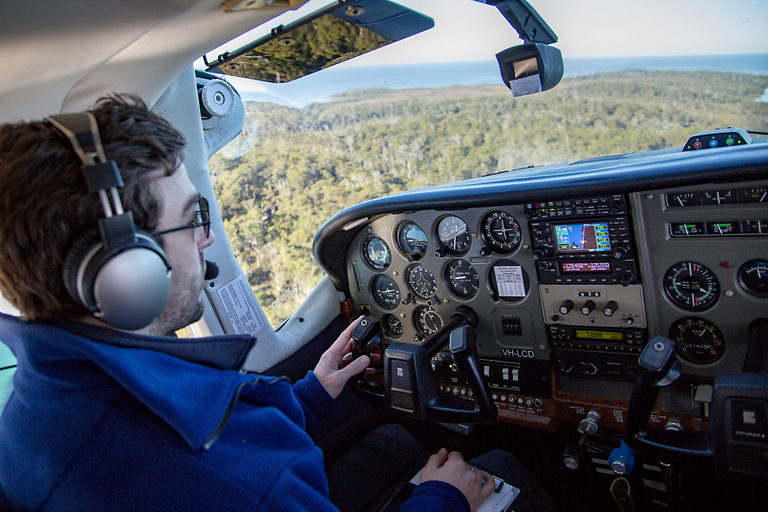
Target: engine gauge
<point x="454" y="235"/>
<point x="376" y="252"/>
<point x="412" y="240"/>
<point x="753" y="277"/>
<point x="427" y="320"/>
<point x="462" y="278"/>
<point x="697" y="340"/>
<point x="502" y="232"/>
<point x="385" y="292"/>
<point x="691" y="286"/>
<point x="422" y="282"/>
<point x="393" y="326"/>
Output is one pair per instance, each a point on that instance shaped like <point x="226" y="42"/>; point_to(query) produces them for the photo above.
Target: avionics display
<point x="599" y="335"/>
<point x="586" y="266"/>
<point x="586" y="237"/>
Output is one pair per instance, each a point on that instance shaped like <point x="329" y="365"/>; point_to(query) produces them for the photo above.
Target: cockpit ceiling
<point x="67" y="54"/>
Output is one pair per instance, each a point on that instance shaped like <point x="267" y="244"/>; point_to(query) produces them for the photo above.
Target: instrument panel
<point x="568" y="292"/>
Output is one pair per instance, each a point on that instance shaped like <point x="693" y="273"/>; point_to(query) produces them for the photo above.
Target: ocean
<point x="322" y="86"/>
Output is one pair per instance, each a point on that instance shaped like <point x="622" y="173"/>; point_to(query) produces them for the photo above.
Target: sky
<point x="466" y="30"/>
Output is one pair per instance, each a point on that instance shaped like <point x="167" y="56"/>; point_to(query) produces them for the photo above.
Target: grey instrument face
<point x="422" y="282"/>
<point x="385" y="292"/>
<point x="454" y="235"/>
<point x="462" y="279"/>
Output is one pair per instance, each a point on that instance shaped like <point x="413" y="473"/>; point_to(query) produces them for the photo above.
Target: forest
<point x="304" y="165"/>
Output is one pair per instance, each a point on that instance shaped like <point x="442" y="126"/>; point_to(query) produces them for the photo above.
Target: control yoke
<point x="738" y="425"/>
<point x="410" y="386"/>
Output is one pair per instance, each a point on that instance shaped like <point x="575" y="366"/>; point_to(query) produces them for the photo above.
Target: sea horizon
<point x="322" y="86"/>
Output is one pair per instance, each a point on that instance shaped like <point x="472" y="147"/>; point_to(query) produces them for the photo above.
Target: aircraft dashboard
<point x="571" y="270"/>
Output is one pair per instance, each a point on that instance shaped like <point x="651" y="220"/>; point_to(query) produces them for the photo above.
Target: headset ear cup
<point x="87" y="243"/>
<point x="126" y="289"/>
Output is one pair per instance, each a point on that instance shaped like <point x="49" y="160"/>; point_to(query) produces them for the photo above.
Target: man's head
<point x="46" y="206"/>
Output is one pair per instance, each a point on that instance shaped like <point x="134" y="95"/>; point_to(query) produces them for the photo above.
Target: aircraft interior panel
<point x="569" y="292"/>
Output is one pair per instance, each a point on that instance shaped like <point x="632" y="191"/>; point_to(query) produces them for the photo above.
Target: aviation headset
<point x="116" y="271"/>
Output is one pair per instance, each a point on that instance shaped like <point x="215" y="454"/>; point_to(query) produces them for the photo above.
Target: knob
<point x="620" y="251"/>
<point x="610" y="308"/>
<point x="588" y="425"/>
<point x="674" y="425"/>
<point x="566" y="306"/>
<point x="540" y="253"/>
<point x="621" y="460"/>
<point x="627" y="278"/>
<point x="573" y="456"/>
<point x="588" y="307"/>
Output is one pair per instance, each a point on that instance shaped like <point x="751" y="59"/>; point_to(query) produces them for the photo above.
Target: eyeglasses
<point x="202" y="219"/>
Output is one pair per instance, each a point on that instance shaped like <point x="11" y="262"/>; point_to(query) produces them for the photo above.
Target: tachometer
<point x="462" y="278"/>
<point x="427" y="320"/>
<point x="753" y="277"/>
<point x="376" y="252"/>
<point x="454" y="235"/>
<point x="412" y="240"/>
<point x="502" y="232"/>
<point x="697" y="340"/>
<point x="422" y="281"/>
<point x="691" y="286"/>
<point x="385" y="292"/>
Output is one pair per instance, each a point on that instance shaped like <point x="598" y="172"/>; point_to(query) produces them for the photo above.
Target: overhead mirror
<point x="334" y="34"/>
<point x="530" y="68"/>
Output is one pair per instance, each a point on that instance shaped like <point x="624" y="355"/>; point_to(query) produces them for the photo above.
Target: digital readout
<point x="587" y="237"/>
<point x="599" y="335"/>
<point x="586" y="266"/>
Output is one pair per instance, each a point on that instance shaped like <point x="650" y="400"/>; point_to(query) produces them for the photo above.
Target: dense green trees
<point x="308" y="164"/>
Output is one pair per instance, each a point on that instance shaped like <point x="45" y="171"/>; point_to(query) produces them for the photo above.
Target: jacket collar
<point x="227" y="352"/>
<point x="180" y="380"/>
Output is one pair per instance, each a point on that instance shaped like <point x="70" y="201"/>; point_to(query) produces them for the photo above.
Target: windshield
<point x="432" y="109"/>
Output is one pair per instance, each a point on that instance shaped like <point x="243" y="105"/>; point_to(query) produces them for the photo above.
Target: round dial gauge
<point x="462" y="278"/>
<point x="454" y="235"/>
<point x="428" y="321"/>
<point x="385" y="292"/>
<point x="393" y="326"/>
<point x="753" y="277"/>
<point x="697" y="340"/>
<point x="502" y="232"/>
<point x="691" y="286"/>
<point x="412" y="240"/>
<point x="422" y="281"/>
<point x="376" y="252"/>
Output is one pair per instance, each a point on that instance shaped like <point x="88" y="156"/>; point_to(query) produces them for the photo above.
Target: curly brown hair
<point x="45" y="203"/>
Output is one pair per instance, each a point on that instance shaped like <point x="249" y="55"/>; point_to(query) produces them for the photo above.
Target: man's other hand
<point x="332" y="370"/>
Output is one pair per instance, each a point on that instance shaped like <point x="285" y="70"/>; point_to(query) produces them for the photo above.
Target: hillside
<point x="305" y="165"/>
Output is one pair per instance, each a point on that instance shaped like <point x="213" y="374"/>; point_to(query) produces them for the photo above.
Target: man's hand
<point x="331" y="370"/>
<point x="451" y="468"/>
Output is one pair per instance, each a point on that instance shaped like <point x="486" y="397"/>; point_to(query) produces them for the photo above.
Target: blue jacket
<point x="134" y="423"/>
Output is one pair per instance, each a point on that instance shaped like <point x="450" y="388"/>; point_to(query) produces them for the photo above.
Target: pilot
<point x="110" y="411"/>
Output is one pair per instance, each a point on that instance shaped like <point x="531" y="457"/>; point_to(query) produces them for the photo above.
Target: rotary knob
<point x="566" y="306"/>
<point x="610" y="308"/>
<point x="588" y="307"/>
